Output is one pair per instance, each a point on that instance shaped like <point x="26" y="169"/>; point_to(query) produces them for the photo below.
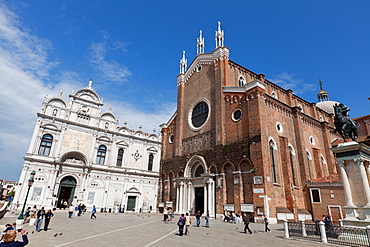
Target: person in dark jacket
<point x="48" y="217"/>
<point x="246" y="224"/>
<point x="9" y="239"/>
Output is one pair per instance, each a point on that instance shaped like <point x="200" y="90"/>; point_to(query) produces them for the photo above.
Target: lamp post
<point x="30" y="183"/>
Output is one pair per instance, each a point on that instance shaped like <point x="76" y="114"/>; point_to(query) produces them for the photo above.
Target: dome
<point x="327" y="105"/>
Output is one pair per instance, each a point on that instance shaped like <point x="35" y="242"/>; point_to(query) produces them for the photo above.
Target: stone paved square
<point x="143" y="230"/>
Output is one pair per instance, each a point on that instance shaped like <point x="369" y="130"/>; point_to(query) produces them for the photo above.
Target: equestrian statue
<point x="345" y="126"/>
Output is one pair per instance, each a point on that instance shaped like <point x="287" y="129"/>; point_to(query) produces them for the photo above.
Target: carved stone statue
<point x="344" y="125"/>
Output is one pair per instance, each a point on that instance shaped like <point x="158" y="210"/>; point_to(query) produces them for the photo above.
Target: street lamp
<point x="30" y="183"/>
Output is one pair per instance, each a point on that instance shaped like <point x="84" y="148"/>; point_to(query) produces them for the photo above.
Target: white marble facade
<point x="82" y="156"/>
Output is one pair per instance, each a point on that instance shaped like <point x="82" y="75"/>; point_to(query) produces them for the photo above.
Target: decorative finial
<point x="200" y="43"/>
<point x="183" y="63"/>
<point x="60" y="92"/>
<point x="154" y="130"/>
<point x="125" y="123"/>
<point x="140" y="127"/>
<point x="90" y="83"/>
<point x="110" y="107"/>
<point x="219" y="36"/>
<point x="45" y="97"/>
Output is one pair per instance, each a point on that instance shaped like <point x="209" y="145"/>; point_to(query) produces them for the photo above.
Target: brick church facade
<point x="239" y="142"/>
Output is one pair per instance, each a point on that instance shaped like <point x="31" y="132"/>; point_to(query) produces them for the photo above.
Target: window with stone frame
<point x="120" y="157"/>
<point x="291" y="156"/>
<point x="150" y="162"/>
<point x="100" y="157"/>
<point x="315" y="195"/>
<point x="45" y="145"/>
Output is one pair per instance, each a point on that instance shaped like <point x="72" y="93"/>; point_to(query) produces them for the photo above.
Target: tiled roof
<point x="333" y="178"/>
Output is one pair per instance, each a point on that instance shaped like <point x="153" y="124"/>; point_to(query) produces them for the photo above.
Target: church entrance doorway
<point x="199" y="199"/>
<point x="131" y="202"/>
<point x="66" y="191"/>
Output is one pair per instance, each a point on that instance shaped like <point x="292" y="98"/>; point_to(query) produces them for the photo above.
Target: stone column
<point x="181" y="201"/>
<point x="364" y="180"/>
<point x="210" y="197"/>
<point x="346" y="185"/>
<point x="189" y="197"/>
<point x="205" y="197"/>
<point x="177" y="198"/>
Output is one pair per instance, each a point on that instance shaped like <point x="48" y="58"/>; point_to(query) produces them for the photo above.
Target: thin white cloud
<point x="110" y="70"/>
<point x="287" y="81"/>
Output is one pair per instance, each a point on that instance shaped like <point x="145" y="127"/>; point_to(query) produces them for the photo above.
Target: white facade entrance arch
<point x="196" y="190"/>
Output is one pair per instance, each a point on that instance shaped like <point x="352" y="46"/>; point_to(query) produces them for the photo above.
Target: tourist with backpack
<point x="181" y="224"/>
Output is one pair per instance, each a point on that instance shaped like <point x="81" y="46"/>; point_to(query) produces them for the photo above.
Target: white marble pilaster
<point x="346" y="185"/>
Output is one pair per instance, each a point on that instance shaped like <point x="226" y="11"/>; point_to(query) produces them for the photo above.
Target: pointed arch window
<point x="273" y="161"/>
<point x="150" y="162"/>
<point x="119" y="157"/>
<point x="291" y="156"/>
<point x="309" y="164"/>
<point x="45" y="145"/>
<point x="199" y="171"/>
<point x="100" y="157"/>
<point x="323" y="166"/>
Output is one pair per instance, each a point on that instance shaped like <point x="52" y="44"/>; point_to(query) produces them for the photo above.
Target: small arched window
<point x="199" y="171"/>
<point x="150" y="162"/>
<point x="273" y="162"/>
<point x="100" y="157"/>
<point x="45" y="145"/>
<point x="119" y="157"/>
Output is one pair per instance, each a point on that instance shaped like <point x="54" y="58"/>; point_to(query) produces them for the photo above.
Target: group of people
<point x="232" y="217"/>
<point x="185" y="221"/>
<point x="41" y="216"/>
<point x="78" y="210"/>
<point x="10" y="233"/>
<point x="168" y="215"/>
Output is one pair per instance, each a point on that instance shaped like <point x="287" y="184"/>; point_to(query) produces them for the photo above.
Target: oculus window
<point x="199" y="114"/>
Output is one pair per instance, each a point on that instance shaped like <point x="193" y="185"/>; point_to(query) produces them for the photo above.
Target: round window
<point x="199" y="114"/>
<point x="171" y="138"/>
<point x="237" y="115"/>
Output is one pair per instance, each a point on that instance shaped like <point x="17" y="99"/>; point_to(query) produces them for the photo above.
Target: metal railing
<point x="318" y="231"/>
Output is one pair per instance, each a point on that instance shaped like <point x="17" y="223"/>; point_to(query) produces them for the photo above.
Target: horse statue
<point x="345" y="126"/>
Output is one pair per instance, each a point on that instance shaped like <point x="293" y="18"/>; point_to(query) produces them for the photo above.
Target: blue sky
<point x="131" y="50"/>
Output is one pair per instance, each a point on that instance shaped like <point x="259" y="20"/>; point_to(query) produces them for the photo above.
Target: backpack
<point x="181" y="221"/>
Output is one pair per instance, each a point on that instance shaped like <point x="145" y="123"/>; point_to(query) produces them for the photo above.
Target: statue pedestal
<point x="353" y="159"/>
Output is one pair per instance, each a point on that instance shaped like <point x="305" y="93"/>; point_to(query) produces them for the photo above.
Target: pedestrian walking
<point x="207" y="219"/>
<point x="246" y="224"/>
<point x="70" y="211"/>
<point x="266" y="220"/>
<point x="181" y="224"/>
<point x="197" y="216"/>
<point x="187" y="224"/>
<point x="40" y="218"/>
<point x="48" y="217"/>
<point x="93" y="211"/>
<point x="165" y="215"/>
